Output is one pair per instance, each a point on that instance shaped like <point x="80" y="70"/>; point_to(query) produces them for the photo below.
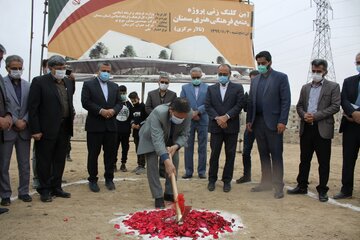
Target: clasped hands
<point x="222" y="121"/>
<point x="107" y="113"/>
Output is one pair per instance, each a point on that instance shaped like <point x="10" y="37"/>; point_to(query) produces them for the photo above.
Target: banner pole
<point x="43" y="45"/>
<point x="31" y="37"/>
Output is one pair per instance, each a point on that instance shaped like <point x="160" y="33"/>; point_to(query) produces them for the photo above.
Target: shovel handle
<point x="175" y="192"/>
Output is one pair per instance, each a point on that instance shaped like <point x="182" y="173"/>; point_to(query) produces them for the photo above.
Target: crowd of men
<point x="44" y="111"/>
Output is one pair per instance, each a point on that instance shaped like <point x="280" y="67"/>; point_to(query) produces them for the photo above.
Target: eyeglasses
<point x="108" y="71"/>
<point x="223" y="74"/>
<point x="316" y="71"/>
<point x="15" y="68"/>
<point x="195" y="77"/>
<point x="163" y="82"/>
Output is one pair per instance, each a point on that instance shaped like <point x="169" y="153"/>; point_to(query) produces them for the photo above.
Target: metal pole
<point x="43" y="45"/>
<point x="31" y="37"/>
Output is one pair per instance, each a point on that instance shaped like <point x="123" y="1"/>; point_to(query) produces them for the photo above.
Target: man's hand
<point x="249" y="127"/>
<point x="281" y="128"/>
<point x="5" y="124"/>
<point x="308" y="117"/>
<point x="169" y="167"/>
<point x="356" y="116"/>
<point x="107" y="113"/>
<point x="20" y="124"/>
<point x="37" y="136"/>
<point x="172" y="150"/>
<point x="135" y="126"/>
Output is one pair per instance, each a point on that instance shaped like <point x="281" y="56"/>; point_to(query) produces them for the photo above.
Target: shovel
<point x="181" y="211"/>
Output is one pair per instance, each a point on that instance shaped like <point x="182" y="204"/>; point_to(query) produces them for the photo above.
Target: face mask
<point x="317" y="77"/>
<point x="196" y="82"/>
<point x="358" y="68"/>
<point x="59" y="74"/>
<point x="223" y="79"/>
<point x="176" y="120"/>
<point x="123" y="97"/>
<point x="104" y="76"/>
<point x="163" y="86"/>
<point x="16" y="74"/>
<point x="262" y="69"/>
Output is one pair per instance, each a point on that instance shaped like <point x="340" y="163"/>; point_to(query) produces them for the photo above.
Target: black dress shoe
<point x="297" y="190"/>
<point x="61" y="193"/>
<point x="168" y="197"/>
<point x="279" y="194"/>
<point x="227" y="187"/>
<point x="243" y="179"/>
<point x="45" y="197"/>
<point x="211" y="186"/>
<point x="3" y="210"/>
<point x="342" y="195"/>
<point x="202" y="176"/>
<point x="186" y="176"/>
<point x="5" y="202"/>
<point x="261" y="188"/>
<point x="110" y="185"/>
<point x="159" y="203"/>
<point x="25" y="198"/>
<point x="94" y="187"/>
<point x="323" y="197"/>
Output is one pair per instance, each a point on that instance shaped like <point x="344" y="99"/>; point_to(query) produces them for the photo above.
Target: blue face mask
<point x="104" y="76"/>
<point x="223" y="79"/>
<point x="262" y="69"/>
<point x="123" y="97"/>
<point x="196" y="82"/>
<point x="176" y="120"/>
<point x="358" y="68"/>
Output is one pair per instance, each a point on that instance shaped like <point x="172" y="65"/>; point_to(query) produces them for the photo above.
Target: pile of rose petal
<point x="161" y="224"/>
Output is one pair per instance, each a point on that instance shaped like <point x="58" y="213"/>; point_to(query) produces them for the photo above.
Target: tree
<point x="128" y="52"/>
<point x="99" y="51"/>
<point x="163" y="55"/>
<point x="220" y="60"/>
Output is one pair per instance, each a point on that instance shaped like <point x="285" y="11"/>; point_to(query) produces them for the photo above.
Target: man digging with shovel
<point x="165" y="131"/>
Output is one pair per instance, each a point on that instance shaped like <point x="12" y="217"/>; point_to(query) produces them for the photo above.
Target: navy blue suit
<point x="200" y="126"/>
<point x="275" y="105"/>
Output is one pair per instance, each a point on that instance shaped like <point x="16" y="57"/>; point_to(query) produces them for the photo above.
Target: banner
<point x="204" y="31"/>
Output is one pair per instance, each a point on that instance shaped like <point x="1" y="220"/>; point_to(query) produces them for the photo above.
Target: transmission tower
<point x="321" y="47"/>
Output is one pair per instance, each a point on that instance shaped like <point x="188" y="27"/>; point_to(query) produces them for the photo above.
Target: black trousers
<point x="351" y="144"/>
<point x="310" y="142"/>
<point x="216" y="141"/>
<point x="248" y="143"/>
<point x="123" y="139"/>
<point x="95" y="141"/>
<point x="140" y="157"/>
<point x="50" y="160"/>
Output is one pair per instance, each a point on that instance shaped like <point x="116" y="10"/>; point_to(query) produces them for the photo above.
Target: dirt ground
<point x="86" y="215"/>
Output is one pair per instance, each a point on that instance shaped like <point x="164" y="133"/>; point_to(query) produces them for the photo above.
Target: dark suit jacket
<point x="276" y="100"/>
<point x="153" y="100"/>
<point x="349" y="94"/>
<point x="232" y="105"/>
<point x="93" y="99"/>
<point x="328" y="105"/>
<point x="45" y="111"/>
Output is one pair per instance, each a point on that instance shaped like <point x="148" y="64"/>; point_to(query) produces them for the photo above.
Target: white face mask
<point x="16" y="74"/>
<point x="163" y="86"/>
<point x="176" y="120"/>
<point x="59" y="74"/>
<point x="317" y="77"/>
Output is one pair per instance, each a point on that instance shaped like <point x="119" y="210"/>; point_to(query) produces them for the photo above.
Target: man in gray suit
<point x="17" y="91"/>
<point x="268" y="112"/>
<point x="165" y="131"/>
<point x="319" y="101"/>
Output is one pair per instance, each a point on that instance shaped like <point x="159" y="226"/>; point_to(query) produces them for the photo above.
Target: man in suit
<point x="160" y="96"/>
<point x="268" y="111"/>
<point x="248" y="143"/>
<point x="165" y="131"/>
<point x="350" y="127"/>
<point x="101" y="99"/>
<point x="224" y="101"/>
<point x="319" y="101"/>
<point x="195" y="93"/>
<point x="51" y="122"/>
<point x="17" y="91"/>
<point x="5" y="115"/>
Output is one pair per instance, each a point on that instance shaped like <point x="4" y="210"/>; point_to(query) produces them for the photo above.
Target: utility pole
<point x="321" y="47"/>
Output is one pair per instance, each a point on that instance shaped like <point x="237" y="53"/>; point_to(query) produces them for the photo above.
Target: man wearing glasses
<point x="350" y="127"/>
<point x="195" y="92"/>
<point x="223" y="104"/>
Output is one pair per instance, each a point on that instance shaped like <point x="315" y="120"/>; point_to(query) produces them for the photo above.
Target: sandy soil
<point x="86" y="215"/>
